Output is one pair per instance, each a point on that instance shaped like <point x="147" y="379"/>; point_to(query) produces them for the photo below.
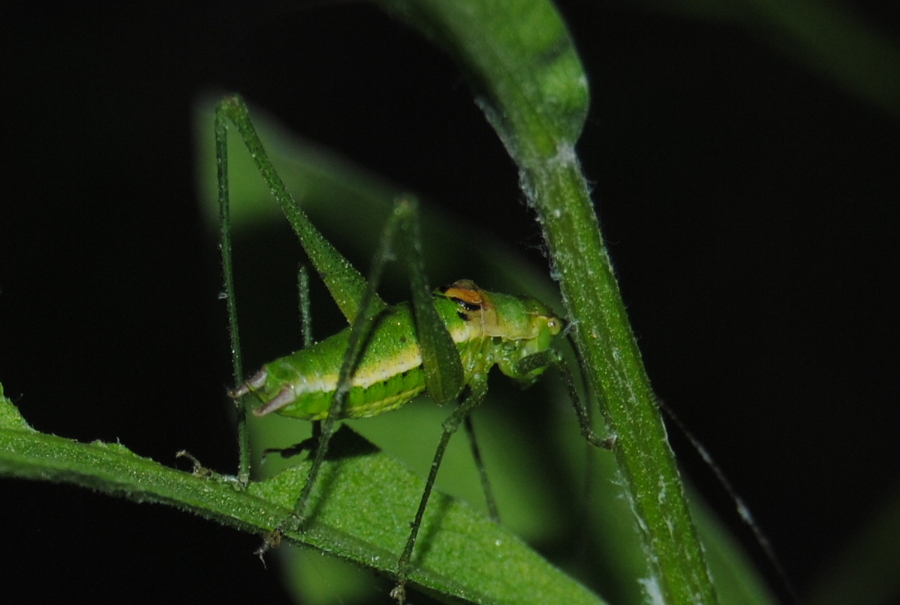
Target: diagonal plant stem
<point x="530" y="83"/>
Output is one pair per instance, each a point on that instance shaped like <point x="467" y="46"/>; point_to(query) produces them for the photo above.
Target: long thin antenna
<point x="742" y="509"/>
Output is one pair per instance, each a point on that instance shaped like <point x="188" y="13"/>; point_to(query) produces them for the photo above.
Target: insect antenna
<point x="589" y="460"/>
<point x="742" y="508"/>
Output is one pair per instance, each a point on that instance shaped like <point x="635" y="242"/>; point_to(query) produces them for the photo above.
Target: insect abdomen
<point x="389" y="374"/>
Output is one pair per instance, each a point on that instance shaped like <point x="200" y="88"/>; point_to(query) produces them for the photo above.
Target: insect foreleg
<point x="553" y="357"/>
<point x="477" y="391"/>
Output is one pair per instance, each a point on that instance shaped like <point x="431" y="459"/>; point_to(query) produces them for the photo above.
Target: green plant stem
<point x="614" y="366"/>
<point x="529" y="81"/>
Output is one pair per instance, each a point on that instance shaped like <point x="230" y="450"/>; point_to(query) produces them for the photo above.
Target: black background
<point x="750" y="206"/>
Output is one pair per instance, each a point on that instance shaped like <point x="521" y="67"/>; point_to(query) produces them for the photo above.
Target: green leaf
<point x="354" y="513"/>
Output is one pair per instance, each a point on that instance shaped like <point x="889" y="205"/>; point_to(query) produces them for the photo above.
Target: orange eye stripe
<point x="465" y="293"/>
<point x="470" y="297"/>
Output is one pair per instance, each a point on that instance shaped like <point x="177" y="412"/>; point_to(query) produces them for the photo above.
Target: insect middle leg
<point x="462" y="414"/>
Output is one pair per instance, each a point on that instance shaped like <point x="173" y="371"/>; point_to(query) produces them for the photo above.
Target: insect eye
<point x="467" y="305"/>
<point x="554" y="324"/>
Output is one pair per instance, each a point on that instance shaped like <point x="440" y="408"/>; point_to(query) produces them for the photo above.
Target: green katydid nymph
<point x="488" y="329"/>
<point x="444" y="342"/>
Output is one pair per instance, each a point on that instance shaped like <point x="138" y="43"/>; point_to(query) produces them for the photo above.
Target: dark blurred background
<point x="749" y="202"/>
